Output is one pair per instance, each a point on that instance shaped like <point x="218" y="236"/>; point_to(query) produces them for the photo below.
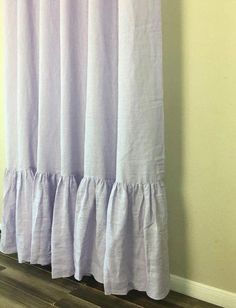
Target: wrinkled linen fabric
<point x="84" y="183"/>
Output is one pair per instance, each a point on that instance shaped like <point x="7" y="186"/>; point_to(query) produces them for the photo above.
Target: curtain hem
<point x="116" y="232"/>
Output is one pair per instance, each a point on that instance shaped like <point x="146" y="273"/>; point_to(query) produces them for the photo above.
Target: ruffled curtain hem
<point x="116" y="232"/>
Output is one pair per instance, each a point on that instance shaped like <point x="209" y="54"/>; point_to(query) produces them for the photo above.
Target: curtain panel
<point x="84" y="183"/>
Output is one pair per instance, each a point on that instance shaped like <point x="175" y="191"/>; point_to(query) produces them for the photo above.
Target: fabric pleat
<point x="84" y="184"/>
<point x="73" y="70"/>
<point x="8" y="231"/>
<point x="140" y="146"/>
<point x="101" y="101"/>
<point x="24" y="185"/>
<point x="44" y="191"/>
<point x="27" y="83"/>
<point x="49" y="88"/>
<point x="62" y="241"/>
<point x="90" y="227"/>
<point x="10" y="60"/>
<point x="136" y="235"/>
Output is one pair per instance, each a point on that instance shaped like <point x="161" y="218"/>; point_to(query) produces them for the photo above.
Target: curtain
<point x="84" y="183"/>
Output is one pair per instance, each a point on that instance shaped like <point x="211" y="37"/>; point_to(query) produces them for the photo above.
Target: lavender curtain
<point x="84" y="181"/>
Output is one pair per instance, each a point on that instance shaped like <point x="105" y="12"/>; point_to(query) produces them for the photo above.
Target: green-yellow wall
<point x="200" y="128"/>
<point x="2" y="157"/>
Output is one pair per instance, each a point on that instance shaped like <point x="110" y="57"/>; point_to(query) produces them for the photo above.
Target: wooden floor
<point x="25" y="285"/>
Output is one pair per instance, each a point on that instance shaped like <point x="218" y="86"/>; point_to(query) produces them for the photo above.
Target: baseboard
<point x="203" y="292"/>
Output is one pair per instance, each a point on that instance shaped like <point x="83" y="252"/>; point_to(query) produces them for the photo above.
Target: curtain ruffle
<point x="114" y="231"/>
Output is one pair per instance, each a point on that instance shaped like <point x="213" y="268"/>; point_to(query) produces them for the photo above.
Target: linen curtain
<point x="84" y="181"/>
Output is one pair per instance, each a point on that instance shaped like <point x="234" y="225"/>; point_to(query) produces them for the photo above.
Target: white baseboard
<point x="203" y="292"/>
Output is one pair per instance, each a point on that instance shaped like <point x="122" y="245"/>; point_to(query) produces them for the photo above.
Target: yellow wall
<point x="200" y="127"/>
<point x="2" y="158"/>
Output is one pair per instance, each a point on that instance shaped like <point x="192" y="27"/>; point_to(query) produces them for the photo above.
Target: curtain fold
<point x="84" y="183"/>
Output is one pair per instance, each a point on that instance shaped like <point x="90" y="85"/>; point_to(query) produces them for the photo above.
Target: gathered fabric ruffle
<point x="116" y="232"/>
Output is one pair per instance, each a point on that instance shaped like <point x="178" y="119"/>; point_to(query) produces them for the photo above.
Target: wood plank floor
<point x="25" y="285"/>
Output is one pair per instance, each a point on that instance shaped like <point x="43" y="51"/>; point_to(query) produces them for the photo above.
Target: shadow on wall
<point x="173" y="108"/>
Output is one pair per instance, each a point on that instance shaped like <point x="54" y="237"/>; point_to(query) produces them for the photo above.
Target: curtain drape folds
<point x="84" y="183"/>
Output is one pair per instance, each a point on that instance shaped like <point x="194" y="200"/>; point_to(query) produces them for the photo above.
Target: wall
<point x="200" y="110"/>
<point x="2" y="158"/>
<point x="200" y="129"/>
